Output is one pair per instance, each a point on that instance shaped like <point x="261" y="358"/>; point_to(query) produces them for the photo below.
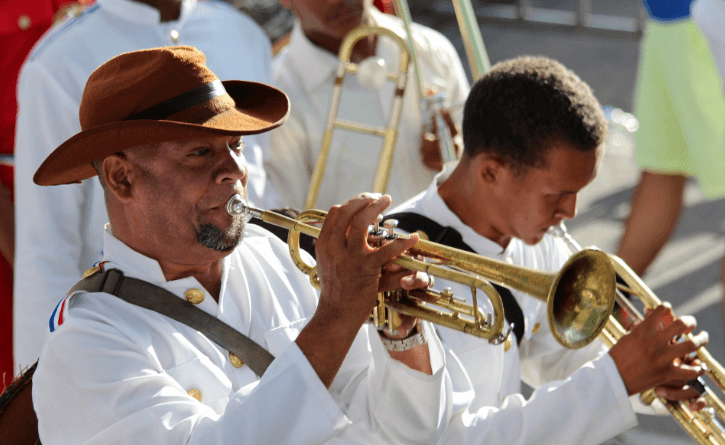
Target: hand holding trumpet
<point x="648" y="356"/>
<point x="349" y="270"/>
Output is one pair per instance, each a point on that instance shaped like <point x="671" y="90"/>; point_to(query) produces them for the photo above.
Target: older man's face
<point x="181" y="192"/>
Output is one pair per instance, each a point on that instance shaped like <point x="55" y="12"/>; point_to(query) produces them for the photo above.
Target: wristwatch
<point x="416" y="337"/>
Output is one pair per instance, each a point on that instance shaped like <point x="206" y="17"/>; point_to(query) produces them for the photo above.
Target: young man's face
<point x="331" y="19"/>
<point x="528" y="204"/>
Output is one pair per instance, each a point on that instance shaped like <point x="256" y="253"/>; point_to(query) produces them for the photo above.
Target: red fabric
<point x="385" y="5"/>
<point x="36" y="16"/>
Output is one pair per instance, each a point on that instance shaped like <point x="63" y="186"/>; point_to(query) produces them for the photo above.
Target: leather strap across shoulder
<point x="149" y="296"/>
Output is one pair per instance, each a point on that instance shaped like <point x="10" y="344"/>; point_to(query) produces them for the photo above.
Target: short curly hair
<point x="522" y="106"/>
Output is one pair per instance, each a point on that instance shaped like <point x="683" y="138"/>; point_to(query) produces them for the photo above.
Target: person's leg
<point x="656" y="208"/>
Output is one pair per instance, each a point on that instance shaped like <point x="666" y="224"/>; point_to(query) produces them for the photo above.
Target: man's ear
<point x="116" y="169"/>
<point x="490" y="168"/>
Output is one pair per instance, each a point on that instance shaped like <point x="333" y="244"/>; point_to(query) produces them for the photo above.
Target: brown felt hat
<point x="158" y="95"/>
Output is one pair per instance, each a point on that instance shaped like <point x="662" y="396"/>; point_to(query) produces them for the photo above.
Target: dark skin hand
<point x="648" y="357"/>
<point x="430" y="149"/>
<point x="349" y="271"/>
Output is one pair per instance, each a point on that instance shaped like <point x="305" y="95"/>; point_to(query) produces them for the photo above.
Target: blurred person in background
<point x="305" y="70"/>
<point x="60" y="229"/>
<point x="22" y="23"/>
<point x="681" y="112"/>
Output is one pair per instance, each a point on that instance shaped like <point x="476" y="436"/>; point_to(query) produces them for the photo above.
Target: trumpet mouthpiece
<point x="237" y="206"/>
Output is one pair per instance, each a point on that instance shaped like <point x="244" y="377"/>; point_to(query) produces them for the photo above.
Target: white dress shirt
<point x="306" y="73"/>
<point x="112" y="372"/>
<point x="59" y="229"/>
<point x="580" y="397"/>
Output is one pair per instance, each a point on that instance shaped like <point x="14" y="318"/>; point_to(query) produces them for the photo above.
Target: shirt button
<point x="195" y="393"/>
<point x="236" y="361"/>
<point x="24" y="22"/>
<point x="174" y="36"/>
<point x="509" y="260"/>
<point x="537" y="326"/>
<point x="194" y="296"/>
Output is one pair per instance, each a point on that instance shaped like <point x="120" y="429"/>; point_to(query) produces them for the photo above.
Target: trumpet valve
<point x="376" y="225"/>
<point x="390" y="226"/>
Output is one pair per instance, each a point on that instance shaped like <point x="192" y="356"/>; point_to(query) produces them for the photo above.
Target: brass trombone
<point x="389" y="133"/>
<point x="700" y="425"/>
<point x="579" y="298"/>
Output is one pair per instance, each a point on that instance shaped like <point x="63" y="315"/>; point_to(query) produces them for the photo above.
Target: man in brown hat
<point x="67" y="222"/>
<point x="165" y="137"/>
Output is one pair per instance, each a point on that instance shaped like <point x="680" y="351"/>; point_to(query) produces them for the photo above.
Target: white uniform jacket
<point x="59" y="229"/>
<point x="112" y="372"/>
<point x="580" y="397"/>
<point x="307" y="73"/>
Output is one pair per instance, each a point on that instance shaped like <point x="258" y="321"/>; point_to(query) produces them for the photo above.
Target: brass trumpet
<point x="579" y="298"/>
<point x="700" y="425"/>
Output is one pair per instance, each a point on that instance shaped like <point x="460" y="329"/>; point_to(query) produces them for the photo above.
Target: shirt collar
<point x="144" y="14"/>
<point x="133" y="263"/>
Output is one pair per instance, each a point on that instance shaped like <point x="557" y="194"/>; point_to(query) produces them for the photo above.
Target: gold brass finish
<point x="579" y="298"/>
<point x="417" y="303"/>
<point x="194" y="296"/>
<point x="700" y="425"/>
<point x="195" y="393"/>
<point x="236" y="361"/>
<point x="389" y="133"/>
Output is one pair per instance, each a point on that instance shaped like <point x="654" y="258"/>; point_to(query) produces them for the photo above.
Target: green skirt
<point x="680" y="106"/>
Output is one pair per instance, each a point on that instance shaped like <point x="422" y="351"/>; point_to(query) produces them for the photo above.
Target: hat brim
<point x="259" y="108"/>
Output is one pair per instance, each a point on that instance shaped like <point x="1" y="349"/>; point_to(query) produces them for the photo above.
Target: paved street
<point x="686" y="272"/>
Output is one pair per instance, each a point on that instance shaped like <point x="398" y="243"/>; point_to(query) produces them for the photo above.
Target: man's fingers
<point x="392" y="280"/>
<point x="394" y="248"/>
<point x="679" y="350"/>
<point x="682" y="373"/>
<point x="449" y="121"/>
<point x="677" y="393"/>
<point x="358" y="236"/>
<point x="682" y="325"/>
<point x="653" y="319"/>
<point x="418" y="280"/>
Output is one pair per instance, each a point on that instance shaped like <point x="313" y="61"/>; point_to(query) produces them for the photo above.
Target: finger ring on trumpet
<point x="431" y="281"/>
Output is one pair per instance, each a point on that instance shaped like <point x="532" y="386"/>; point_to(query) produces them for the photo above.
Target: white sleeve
<point x="49" y="220"/>
<point x="112" y="389"/>
<point x="589" y="407"/>
<point x="396" y="405"/>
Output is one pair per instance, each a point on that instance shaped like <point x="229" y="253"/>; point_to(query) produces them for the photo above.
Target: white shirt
<point x="59" y="229"/>
<point x="112" y="372"/>
<point x="580" y="397"/>
<point x="306" y="73"/>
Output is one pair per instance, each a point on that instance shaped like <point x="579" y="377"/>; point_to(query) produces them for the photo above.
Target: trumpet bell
<point x="582" y="298"/>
